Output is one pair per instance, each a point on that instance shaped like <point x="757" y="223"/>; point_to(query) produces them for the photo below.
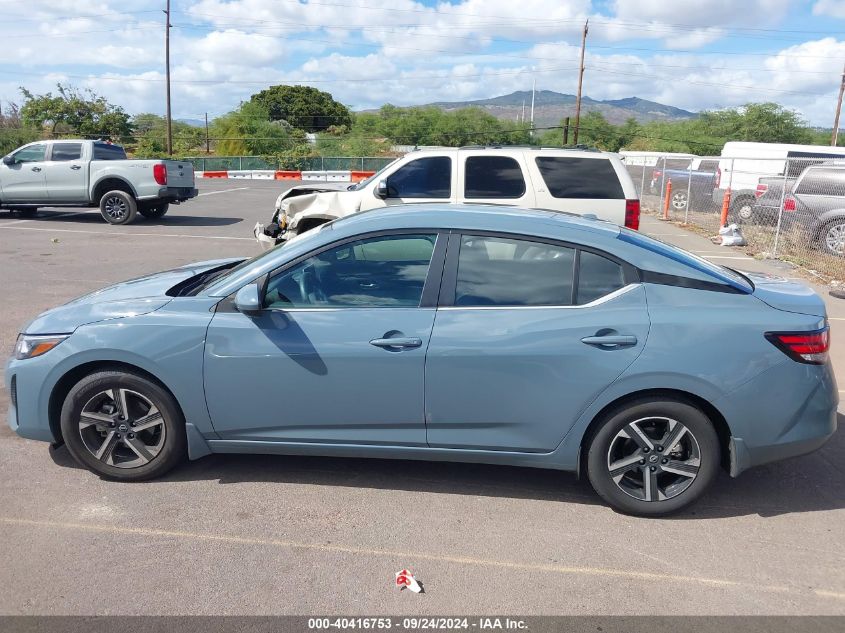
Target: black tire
<point x="163" y="444"/>
<point x="742" y="211"/>
<point x="831" y="237"/>
<point x="154" y="212"/>
<point x="118" y="207"/>
<point x="27" y="212"/>
<point x="677" y="491"/>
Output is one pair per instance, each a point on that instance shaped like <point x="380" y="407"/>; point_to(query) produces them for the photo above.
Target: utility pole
<point x="207" y="144"/>
<point x="835" y="136"/>
<point x="580" y="81"/>
<point x="533" y="90"/>
<point x="167" y="73"/>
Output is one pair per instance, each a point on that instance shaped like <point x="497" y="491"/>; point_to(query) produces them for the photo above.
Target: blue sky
<point x="694" y="54"/>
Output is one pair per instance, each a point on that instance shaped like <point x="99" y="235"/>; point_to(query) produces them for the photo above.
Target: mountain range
<point x="550" y="107"/>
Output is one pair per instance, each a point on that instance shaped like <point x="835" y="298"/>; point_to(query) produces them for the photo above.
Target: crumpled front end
<point x="299" y="213"/>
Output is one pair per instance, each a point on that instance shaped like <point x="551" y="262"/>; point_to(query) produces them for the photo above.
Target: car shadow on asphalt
<point x="809" y="483"/>
<point x="93" y="217"/>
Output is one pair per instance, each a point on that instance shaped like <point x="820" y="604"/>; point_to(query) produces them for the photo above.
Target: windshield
<point x="364" y="183"/>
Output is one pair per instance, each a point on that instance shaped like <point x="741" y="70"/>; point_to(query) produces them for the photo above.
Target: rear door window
<point x="571" y="177"/>
<point x="429" y="177"/>
<point x="495" y="271"/>
<point x="66" y="151"/>
<point x="496" y="177"/>
<point x="597" y="276"/>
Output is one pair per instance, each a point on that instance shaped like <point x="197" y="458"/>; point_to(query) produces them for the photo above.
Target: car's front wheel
<point x="653" y="457"/>
<point x="123" y="426"/>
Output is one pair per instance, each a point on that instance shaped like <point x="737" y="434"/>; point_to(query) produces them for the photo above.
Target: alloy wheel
<point x="116" y="207"/>
<point x="679" y="200"/>
<point x="654" y="459"/>
<point x="122" y="428"/>
<point x="834" y="239"/>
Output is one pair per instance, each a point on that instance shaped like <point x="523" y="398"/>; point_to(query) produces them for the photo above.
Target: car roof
<point x="583" y="150"/>
<point x="487" y="217"/>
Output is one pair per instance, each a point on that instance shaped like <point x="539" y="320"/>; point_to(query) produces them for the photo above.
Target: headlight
<point x="32" y="345"/>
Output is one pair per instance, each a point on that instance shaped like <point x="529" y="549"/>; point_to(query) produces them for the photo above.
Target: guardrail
<point x="270" y="174"/>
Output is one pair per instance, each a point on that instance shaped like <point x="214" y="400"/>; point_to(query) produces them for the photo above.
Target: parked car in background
<point x="438" y="332"/>
<point x="82" y="173"/>
<point x="743" y="164"/>
<point x="814" y="203"/>
<point x="573" y="181"/>
<point x="692" y="183"/>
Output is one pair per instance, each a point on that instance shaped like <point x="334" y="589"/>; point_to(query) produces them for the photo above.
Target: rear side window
<point x="493" y="177"/>
<point x="429" y="177"/>
<point x="822" y="182"/>
<point x="495" y="271"/>
<point x="66" y="151"/>
<point x="597" y="277"/>
<point x="570" y="177"/>
<point x="104" y="151"/>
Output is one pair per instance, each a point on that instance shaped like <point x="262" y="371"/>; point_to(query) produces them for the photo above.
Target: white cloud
<point x="832" y="8"/>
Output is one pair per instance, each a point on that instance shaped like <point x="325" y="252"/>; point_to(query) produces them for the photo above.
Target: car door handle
<point x="36" y="169"/>
<point x="396" y="343"/>
<point x="611" y="340"/>
<point x="76" y="166"/>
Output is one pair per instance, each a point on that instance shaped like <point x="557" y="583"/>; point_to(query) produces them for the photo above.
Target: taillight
<point x="789" y="203"/>
<point x="718" y="177"/>
<point x="160" y="173"/>
<point x="632" y="214"/>
<point x="761" y="189"/>
<point x="656" y="174"/>
<point x="804" y="347"/>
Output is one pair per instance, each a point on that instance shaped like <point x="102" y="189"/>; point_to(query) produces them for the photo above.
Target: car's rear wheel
<point x="653" y="457"/>
<point x="832" y="237"/>
<point x="742" y="210"/>
<point x="118" y="207"/>
<point x="154" y="212"/>
<point x="123" y="426"/>
<point x="680" y="200"/>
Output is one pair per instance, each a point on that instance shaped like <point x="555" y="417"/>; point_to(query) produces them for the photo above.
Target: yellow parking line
<point x="410" y="556"/>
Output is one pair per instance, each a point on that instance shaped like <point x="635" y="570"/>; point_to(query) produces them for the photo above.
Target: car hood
<point x="125" y="299"/>
<point x="786" y="295"/>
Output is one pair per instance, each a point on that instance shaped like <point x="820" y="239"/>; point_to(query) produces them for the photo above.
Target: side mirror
<point x="248" y="299"/>
<point x="9" y="160"/>
<point x="381" y="189"/>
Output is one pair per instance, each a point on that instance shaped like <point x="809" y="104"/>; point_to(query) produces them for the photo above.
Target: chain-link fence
<point x="311" y="163"/>
<point x="790" y="208"/>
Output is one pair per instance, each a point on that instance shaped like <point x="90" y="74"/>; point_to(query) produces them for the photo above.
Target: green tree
<point x="13" y="134"/>
<point x="248" y="131"/>
<point x="151" y="137"/>
<point x="761" y="122"/>
<point x="303" y="107"/>
<point x="75" y="111"/>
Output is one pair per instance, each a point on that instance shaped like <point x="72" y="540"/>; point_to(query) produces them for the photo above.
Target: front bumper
<point x="28" y="414"/>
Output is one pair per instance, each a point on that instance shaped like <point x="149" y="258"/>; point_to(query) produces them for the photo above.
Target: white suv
<point x="573" y="181"/>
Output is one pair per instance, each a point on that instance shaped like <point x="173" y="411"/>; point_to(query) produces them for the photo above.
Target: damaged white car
<point x="578" y="181"/>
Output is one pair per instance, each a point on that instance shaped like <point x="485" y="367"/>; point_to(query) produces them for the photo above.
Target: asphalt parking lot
<point x="298" y="535"/>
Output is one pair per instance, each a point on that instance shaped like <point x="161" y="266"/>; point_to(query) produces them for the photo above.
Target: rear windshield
<point x="583" y="178"/>
<point x="105" y="151"/>
<point x="725" y="275"/>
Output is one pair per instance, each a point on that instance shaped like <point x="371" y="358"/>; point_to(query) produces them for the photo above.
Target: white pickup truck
<point x="79" y="173"/>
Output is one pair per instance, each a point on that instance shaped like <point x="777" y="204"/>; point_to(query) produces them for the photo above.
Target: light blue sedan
<point x="478" y="334"/>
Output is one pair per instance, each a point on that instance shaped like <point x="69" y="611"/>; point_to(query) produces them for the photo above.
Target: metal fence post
<point x="642" y="183"/>
<point x="780" y="209"/>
